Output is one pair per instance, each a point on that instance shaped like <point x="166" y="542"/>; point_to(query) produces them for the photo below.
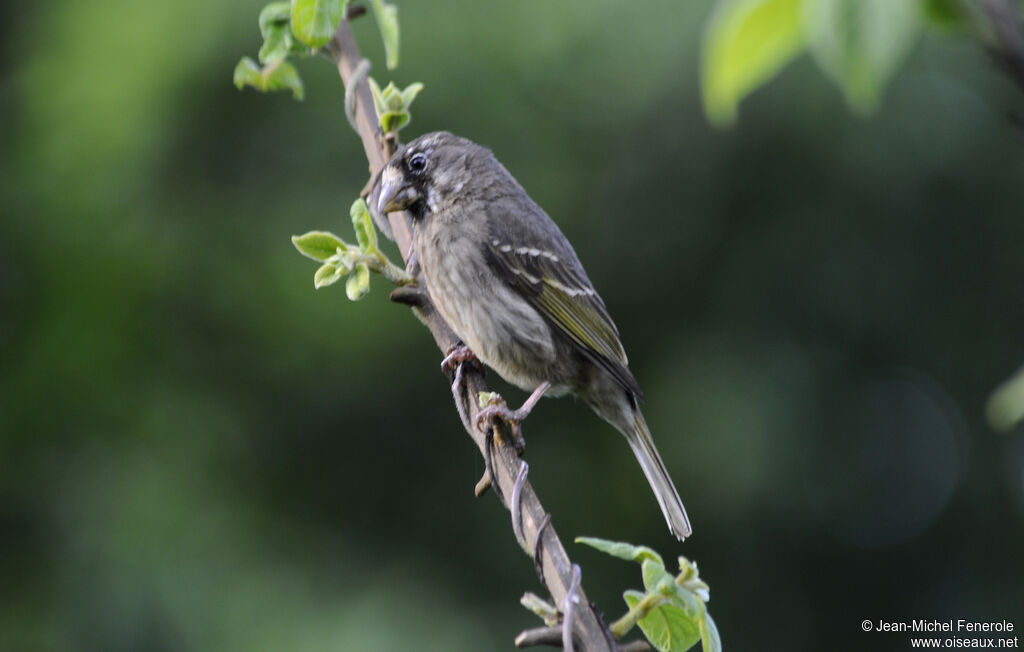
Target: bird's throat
<point x="417" y="210"/>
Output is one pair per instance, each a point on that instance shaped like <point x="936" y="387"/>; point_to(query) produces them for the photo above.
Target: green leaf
<point x="689" y="579"/>
<point x="387" y="20"/>
<point x="657" y="580"/>
<point x="274" y="15"/>
<point x="246" y="73"/>
<point x="283" y="76"/>
<point x="393" y="104"/>
<point x="861" y="43"/>
<point x="328" y="274"/>
<point x="392" y="97"/>
<point x="277" y="35"/>
<point x="358" y="284"/>
<point x="362" y="222"/>
<point x="315" y="21"/>
<point x="626" y="551"/>
<point x="746" y="43"/>
<point x="710" y="639"/>
<point x="946" y="15"/>
<point x="393" y="120"/>
<point x="277" y="45"/>
<point x="632" y="596"/>
<point x="318" y="245"/>
<point x="276" y="76"/>
<point x="410" y="93"/>
<point x="654" y="573"/>
<point x="1005" y="407"/>
<point x="666" y="626"/>
<point x="378" y="95"/>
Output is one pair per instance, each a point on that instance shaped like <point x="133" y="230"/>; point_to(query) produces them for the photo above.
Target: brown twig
<point x="586" y="625"/>
<point x="552" y="637"/>
<point x="1008" y="46"/>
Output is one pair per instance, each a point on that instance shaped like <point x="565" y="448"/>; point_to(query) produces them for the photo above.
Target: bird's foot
<point x="454" y="359"/>
<point x="456" y="355"/>
<point x="496" y="411"/>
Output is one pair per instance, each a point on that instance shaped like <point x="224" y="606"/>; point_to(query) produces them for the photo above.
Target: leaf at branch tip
<point x="315" y="21"/>
<point x="246" y="72"/>
<point x="393" y="104"/>
<point x="1005" y="407"/>
<point x="690" y="580"/>
<point x="284" y="77"/>
<point x="710" y="639"/>
<point x="362" y="222"/>
<point x="378" y="95"/>
<point x="410" y="93"/>
<point x="393" y="120"/>
<point x="277" y="45"/>
<point x="860" y="43"/>
<point x="654" y="574"/>
<point x="632" y="597"/>
<point x="318" y="245"/>
<point x="358" y="284"/>
<point x="277" y="35"/>
<point x="275" y="14"/>
<point x="626" y="551"/>
<point x="387" y="20"/>
<point x="277" y="76"/>
<point x="328" y="274"/>
<point x="666" y="626"/>
<point x="746" y="43"/>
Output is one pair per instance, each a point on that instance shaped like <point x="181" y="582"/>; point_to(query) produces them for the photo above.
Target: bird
<point x="508" y="283"/>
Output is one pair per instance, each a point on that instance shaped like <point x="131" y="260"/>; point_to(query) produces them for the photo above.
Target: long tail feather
<point x="650" y="461"/>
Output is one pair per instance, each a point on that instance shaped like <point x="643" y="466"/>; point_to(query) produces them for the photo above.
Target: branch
<point x="532" y="525"/>
<point x="1008" y="49"/>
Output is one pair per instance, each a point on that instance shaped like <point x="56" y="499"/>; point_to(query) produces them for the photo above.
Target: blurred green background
<point x="200" y="452"/>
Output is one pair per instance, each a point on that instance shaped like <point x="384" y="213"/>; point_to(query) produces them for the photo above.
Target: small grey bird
<point x="509" y="284"/>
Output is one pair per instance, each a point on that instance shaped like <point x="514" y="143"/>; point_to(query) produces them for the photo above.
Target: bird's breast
<point x="504" y="331"/>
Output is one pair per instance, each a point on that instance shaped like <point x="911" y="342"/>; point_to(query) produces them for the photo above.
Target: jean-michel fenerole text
<point x="952" y="625"/>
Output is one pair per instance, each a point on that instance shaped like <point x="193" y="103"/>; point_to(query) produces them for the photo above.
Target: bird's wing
<point x="555" y="284"/>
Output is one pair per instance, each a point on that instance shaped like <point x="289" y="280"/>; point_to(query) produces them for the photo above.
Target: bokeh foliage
<point x="197" y="451"/>
<point x="858" y="44"/>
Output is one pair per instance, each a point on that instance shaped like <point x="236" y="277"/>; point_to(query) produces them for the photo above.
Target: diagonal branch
<point x="537" y="536"/>
<point x="1008" y="46"/>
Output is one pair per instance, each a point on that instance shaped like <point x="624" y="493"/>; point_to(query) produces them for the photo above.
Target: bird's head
<point x="427" y="174"/>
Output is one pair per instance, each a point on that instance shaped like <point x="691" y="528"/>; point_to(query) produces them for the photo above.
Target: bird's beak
<point x="395" y="193"/>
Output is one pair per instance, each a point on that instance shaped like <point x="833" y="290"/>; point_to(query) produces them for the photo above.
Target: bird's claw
<point x="455" y="358"/>
<point x="497" y="411"/>
<point x="456" y="355"/>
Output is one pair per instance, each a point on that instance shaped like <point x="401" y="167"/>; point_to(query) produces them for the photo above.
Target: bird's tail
<point x="646" y="453"/>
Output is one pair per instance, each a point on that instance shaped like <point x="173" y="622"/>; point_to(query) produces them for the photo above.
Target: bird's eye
<point x="418" y="163"/>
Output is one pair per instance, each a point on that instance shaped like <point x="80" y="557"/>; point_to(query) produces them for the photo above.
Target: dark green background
<point x="200" y="452"/>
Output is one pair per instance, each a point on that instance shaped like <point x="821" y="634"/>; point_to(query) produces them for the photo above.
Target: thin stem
<point x="622" y="626"/>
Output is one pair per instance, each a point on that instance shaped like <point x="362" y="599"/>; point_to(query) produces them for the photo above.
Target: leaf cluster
<point x="301" y="28"/>
<point x="858" y="44"/>
<point x="671" y="610"/>
<point x="340" y="259"/>
<point x="393" y="104"/>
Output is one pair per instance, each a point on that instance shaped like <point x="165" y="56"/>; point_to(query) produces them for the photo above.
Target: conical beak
<point x="395" y="193"/>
